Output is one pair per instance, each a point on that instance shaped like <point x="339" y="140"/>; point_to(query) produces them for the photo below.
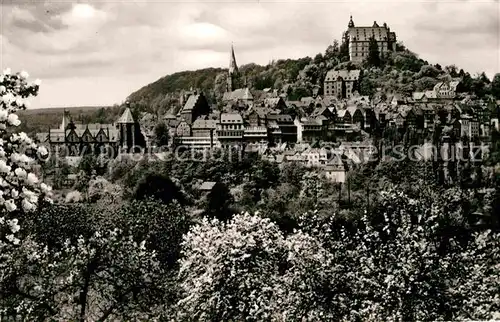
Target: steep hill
<point x="397" y="72"/>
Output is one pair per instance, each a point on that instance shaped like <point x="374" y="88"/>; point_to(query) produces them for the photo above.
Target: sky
<point x="98" y="52"/>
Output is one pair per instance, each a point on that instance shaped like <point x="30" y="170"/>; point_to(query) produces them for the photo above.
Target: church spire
<point x="351" y="23"/>
<point x="233" y="68"/>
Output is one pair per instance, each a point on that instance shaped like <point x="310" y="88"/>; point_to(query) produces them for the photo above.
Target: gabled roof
<point x="430" y="94"/>
<point x="418" y="95"/>
<point x="126" y="117"/>
<point x="190" y="104"/>
<point x="169" y="117"/>
<point x="280" y="118"/>
<point x="231" y="118"/>
<point x="238" y="94"/>
<point x="207" y="186"/>
<point x="341" y="113"/>
<point x="345" y="74"/>
<point x="272" y="101"/>
<point x="204" y="124"/>
<point x="353" y="109"/>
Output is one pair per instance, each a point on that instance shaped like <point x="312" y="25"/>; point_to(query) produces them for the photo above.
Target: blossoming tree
<point x="247" y="269"/>
<point x="105" y="276"/>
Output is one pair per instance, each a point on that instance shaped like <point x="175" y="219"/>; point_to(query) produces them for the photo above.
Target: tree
<point x="158" y="187"/>
<point x="21" y="190"/>
<point x="495" y="86"/>
<point x="246" y="269"/>
<point x="161" y="135"/>
<point x="108" y="276"/>
<point x="332" y="51"/>
<point x="452" y="70"/>
<point x="218" y="203"/>
<point x="373" y="58"/>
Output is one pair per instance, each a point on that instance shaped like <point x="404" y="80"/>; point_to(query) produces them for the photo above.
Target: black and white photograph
<point x="250" y="160"/>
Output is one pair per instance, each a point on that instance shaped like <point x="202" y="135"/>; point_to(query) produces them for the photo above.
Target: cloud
<point x="113" y="48"/>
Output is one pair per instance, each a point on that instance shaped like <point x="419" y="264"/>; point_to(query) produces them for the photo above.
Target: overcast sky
<point x="98" y="52"/>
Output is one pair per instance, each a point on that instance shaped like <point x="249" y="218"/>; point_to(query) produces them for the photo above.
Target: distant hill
<point x="40" y="120"/>
<point x="164" y="92"/>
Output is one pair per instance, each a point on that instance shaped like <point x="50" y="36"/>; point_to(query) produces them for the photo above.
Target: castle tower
<point x="233" y="78"/>
<point x="126" y="126"/>
<point x="351" y="23"/>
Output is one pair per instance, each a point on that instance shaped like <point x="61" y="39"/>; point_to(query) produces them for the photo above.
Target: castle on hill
<point x="359" y="39"/>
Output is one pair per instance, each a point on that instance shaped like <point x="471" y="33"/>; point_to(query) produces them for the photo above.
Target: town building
<point x="310" y="130"/>
<point x="341" y="83"/>
<point x="230" y="129"/>
<point x="359" y="39"/>
<point x="447" y="90"/>
<point x="196" y="106"/>
<point x="240" y="97"/>
<point x="335" y="170"/>
<point x="287" y="128"/>
<point x="77" y="139"/>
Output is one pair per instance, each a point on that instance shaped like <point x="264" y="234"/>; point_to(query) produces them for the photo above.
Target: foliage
<point x="161" y="135"/>
<point x="106" y="276"/>
<point x="246" y="269"/>
<point x="74" y="196"/>
<point x="102" y="189"/>
<point x="218" y="203"/>
<point x="20" y="190"/>
<point x="158" y="187"/>
<point x="373" y="58"/>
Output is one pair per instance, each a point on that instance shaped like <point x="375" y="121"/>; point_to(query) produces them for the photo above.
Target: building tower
<point x="64" y="122"/>
<point x="127" y="128"/>
<point x="233" y="79"/>
<point x="351" y="23"/>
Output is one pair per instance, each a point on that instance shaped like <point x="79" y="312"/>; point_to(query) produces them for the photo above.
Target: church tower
<point x="233" y="79"/>
<point x="127" y="128"/>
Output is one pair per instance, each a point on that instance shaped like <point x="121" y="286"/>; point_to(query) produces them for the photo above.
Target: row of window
<point x="231" y="126"/>
<point x="230" y="133"/>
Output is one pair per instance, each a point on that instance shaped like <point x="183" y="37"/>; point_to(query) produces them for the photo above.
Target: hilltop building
<point x="341" y="83"/>
<point x="359" y="39"/>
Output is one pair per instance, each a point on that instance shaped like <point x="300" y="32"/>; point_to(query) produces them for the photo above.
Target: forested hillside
<point x="401" y="72"/>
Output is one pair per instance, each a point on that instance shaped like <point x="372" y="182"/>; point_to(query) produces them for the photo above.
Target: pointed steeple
<point x="233" y="68"/>
<point x="126" y="117"/>
<point x="351" y="23"/>
<point x="64" y="122"/>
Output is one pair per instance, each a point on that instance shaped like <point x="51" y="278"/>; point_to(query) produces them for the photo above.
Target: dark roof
<point x="191" y="102"/>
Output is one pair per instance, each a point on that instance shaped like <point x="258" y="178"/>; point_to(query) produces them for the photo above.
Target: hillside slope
<point x="400" y="72"/>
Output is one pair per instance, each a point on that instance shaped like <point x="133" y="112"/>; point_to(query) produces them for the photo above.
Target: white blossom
<point x="32" y="179"/>
<point x="20" y="172"/>
<point x="10" y="205"/>
<point x="4" y="168"/>
<point x="13" y="119"/>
